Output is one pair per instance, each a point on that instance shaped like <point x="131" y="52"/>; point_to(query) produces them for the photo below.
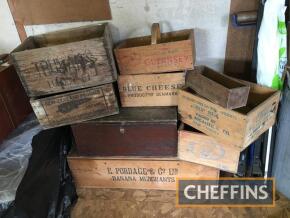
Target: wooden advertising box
<point x="217" y="87"/>
<point x="14" y="103"/>
<point x="75" y="106"/>
<point x="132" y="173"/>
<point x="65" y="60"/>
<point x="167" y="52"/>
<point x="239" y="127"/>
<point x="150" y="89"/>
<point x="196" y="147"/>
<point x="133" y="132"/>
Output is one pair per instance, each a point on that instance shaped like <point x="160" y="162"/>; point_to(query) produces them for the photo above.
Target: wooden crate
<point x="239" y="127"/>
<point x="134" y="131"/>
<point x="65" y="60"/>
<point x="14" y="103"/>
<point x="150" y="89"/>
<point x="75" y="106"/>
<point x="196" y="147"/>
<point x="132" y="173"/>
<point x="218" y="88"/>
<point x="168" y="52"/>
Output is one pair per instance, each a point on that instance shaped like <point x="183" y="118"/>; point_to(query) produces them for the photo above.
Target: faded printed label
<point x="130" y="90"/>
<point x="208" y="118"/>
<point x="135" y="89"/>
<point x="261" y="122"/>
<point x="84" y="105"/>
<point x="144" y="175"/>
<point x="65" y="71"/>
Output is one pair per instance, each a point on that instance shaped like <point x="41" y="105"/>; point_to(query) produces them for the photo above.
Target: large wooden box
<point x="133" y="132"/>
<point x="75" y="106"/>
<point x="150" y="89"/>
<point x="173" y="51"/>
<point x="196" y="147"/>
<point x="217" y="87"/>
<point x="14" y="103"/>
<point x="239" y="127"/>
<point x="65" y="60"/>
<point x="135" y="173"/>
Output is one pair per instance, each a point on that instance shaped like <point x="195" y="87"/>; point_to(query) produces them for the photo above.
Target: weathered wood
<point x="150" y="89"/>
<point x="134" y="131"/>
<point x="143" y="173"/>
<point x="35" y="12"/>
<point x="75" y="106"/>
<point x="155" y="34"/>
<point x="199" y="148"/>
<point x="176" y="52"/>
<point x="218" y="88"/>
<point x="238" y="127"/>
<point x="65" y="60"/>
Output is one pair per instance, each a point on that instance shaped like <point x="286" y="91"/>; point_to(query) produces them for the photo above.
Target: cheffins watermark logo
<point x="227" y="192"/>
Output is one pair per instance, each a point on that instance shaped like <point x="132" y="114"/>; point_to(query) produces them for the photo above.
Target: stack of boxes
<point x="206" y="104"/>
<point x="152" y="67"/>
<point x="68" y="74"/>
<point x="138" y="147"/>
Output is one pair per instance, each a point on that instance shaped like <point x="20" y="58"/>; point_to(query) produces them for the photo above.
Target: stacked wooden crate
<point x="152" y="67"/>
<point x="68" y="74"/>
<point x="232" y="113"/>
<point x="138" y="147"/>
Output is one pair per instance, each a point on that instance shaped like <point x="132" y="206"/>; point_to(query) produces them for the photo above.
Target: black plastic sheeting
<point x="47" y="188"/>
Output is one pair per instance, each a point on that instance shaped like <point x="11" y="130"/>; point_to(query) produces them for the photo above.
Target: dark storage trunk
<point x="14" y="103"/>
<point x="134" y="132"/>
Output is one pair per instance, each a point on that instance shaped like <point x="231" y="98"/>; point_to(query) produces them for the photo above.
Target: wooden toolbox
<point x="65" y="60"/>
<point x="135" y="173"/>
<point x="196" y="147"/>
<point x="135" y="131"/>
<point x="239" y="127"/>
<point x="150" y="89"/>
<point x="167" y="52"/>
<point x="75" y="106"/>
<point x="218" y="88"/>
<point x="14" y="103"/>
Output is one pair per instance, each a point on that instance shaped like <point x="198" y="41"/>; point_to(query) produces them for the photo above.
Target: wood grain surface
<point x="56" y="62"/>
<point x="143" y="173"/>
<point x="217" y="87"/>
<point x="150" y="90"/>
<point x="75" y="106"/>
<point x="153" y="132"/>
<point x="32" y="12"/>
<point x="240" y="42"/>
<point x="238" y="127"/>
<point x="199" y="148"/>
<point x="176" y="52"/>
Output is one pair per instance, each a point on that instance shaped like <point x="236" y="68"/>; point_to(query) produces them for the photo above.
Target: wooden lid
<point x="141" y="114"/>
